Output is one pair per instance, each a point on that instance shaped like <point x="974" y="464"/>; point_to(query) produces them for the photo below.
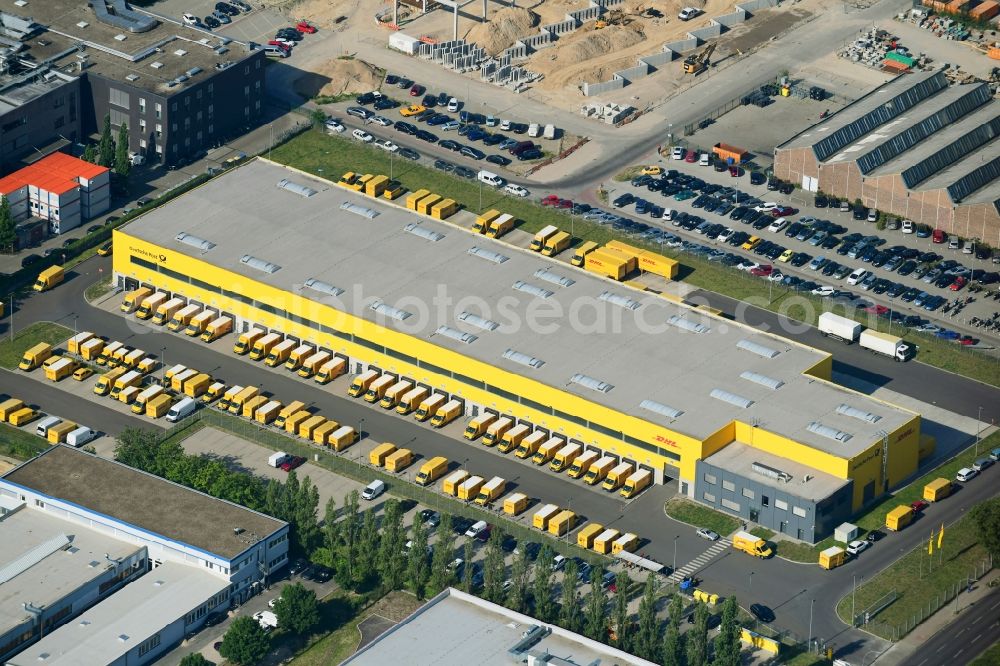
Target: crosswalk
<point x="699" y="562"/>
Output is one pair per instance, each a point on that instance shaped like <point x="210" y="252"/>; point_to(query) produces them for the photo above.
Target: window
<point x="173" y="106"/>
<point x="710" y="478"/>
<point x="729" y="504"/>
<point x="142" y="262"/>
<point x="616" y="434"/>
<point x="708" y="497"/>
<point x="142" y="143"/>
<point x="142" y="105"/>
<point x="507" y="395"/>
<point x="402" y="357"/>
<point x="211" y="88"/>
<point x="749" y="494"/>
<point x="729" y="485"/>
<point x="159" y="111"/>
<point x="159" y="131"/>
<point x="151" y="643"/>
<point x="118" y="98"/>
<point x="781" y="504"/>
<point x="118" y="118"/>
<point x="142" y="126"/>
<point x="537" y="406"/>
<point x="799" y="511"/>
<point x="246" y="91"/>
<point x="470" y="381"/>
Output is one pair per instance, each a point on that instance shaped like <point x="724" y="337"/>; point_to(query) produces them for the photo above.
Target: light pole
<point x="751" y="582"/>
<point x="812" y="602"/>
<point x="676" y="537"/>
<point x="853" y="592"/>
<point x="979" y="427"/>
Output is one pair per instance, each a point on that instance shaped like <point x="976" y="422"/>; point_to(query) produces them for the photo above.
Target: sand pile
<point x="506" y="27"/>
<point x="587" y="44"/>
<point x="337" y="76"/>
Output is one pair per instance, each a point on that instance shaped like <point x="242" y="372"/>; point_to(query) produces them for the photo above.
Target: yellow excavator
<point x="613" y="17"/>
<point x="697" y="63"/>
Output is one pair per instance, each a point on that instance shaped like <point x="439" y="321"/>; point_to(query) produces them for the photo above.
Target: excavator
<point x="697" y="63"/>
<point x="613" y="17"/>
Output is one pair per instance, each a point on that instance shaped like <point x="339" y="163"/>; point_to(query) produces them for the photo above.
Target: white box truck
<point x="276" y="458"/>
<point x="80" y="436"/>
<point x="549" y="132"/>
<point x="889" y="345"/>
<point x="841" y="328"/>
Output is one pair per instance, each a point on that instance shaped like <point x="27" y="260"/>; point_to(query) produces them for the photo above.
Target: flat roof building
<point x="915" y="147"/>
<point x="457" y="629"/>
<point x="618" y="370"/>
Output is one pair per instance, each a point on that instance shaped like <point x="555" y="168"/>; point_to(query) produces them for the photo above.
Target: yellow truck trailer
<point x="483" y="221"/>
<point x="498" y="429"/>
<point x="376" y="185"/>
<point x="444" y="209"/>
<point x="263" y="346"/>
<point x="217" y="328"/>
<point x="177" y="380"/>
<point x="57" y="433"/>
<point x="424" y="205"/>
<point x="73" y="344"/>
<point x="287" y="411"/>
<point x="107" y="381"/>
<point x="562" y="523"/>
<point x="61" y="369"/>
<point x="251" y="406"/>
<point x="564" y="457"/>
<point x="451" y="482"/>
<point x="149" y="305"/>
<point x="937" y="490"/>
<point x="321" y="435"/>
<point x="34" y="357"/>
<point x="236" y="404"/>
<point x="413" y="197"/>
<point x="279" y="353"/>
<point x="538" y="242"/>
<point x="198" y="323"/>
<point x="556" y="244"/>
<point x="308" y="426"/>
<point x="246" y="341"/>
<point x="183" y="317"/>
<point x="516" y="439"/>
<point x="636" y="482"/>
<point x="599" y="470"/>
<point x="752" y="545"/>
<point x="411" y="400"/>
<point x="515" y="504"/>
<point x="546" y="451"/>
<point x="9" y="406"/>
<point x="477" y="426"/>
<point x="342" y="437"/>
<point x="500" y="225"/>
<point x="429" y="407"/>
<point x="627" y="542"/>
<point x="399" y="460"/>
<point x="158" y="406"/>
<point x="91" y="349"/>
<point x="581" y="253"/>
<point x="166" y="311"/>
<point x="491" y="491"/>
<point x="267" y="412"/>
<point x="431" y="470"/>
<point x="134" y="298"/>
<point x="197" y="385"/>
<point x="22" y="416"/>
<point x="147" y="394"/>
<point x="293" y="422"/>
<point x="585" y="537"/>
<point x="229" y="396"/>
<point x="832" y="557"/>
<point x="378" y="455"/>
<point x="604" y="541"/>
<point x="616" y="477"/>
<point x="540" y="520"/>
<point x="449" y="411"/>
<point x="329" y="371"/>
<point x="394" y="394"/>
<point x="610" y="263"/>
<point x="468" y="490"/>
<point x="899" y="518"/>
<point x="359" y="386"/>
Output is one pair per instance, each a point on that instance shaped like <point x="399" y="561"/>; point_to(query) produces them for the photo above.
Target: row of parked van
<point x="303" y="359"/>
<point x="176" y="314"/>
<point x="543" y="448"/>
<point x="51" y="428"/>
<point x="392" y="392"/>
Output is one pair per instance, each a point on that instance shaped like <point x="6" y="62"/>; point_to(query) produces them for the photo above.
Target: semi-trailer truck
<point x="849" y="331"/>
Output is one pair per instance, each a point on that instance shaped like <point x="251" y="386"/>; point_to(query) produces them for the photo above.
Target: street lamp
<point x="676" y="537"/>
<point x="979" y="427"/>
<point x="812" y="602"/>
<point x="751" y="582"/>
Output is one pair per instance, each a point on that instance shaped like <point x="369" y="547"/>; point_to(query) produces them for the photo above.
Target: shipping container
<point x="413" y="197"/>
<point x="149" y="305"/>
<point x="395" y="393"/>
<point x="328" y="371"/>
<point x="448" y="412"/>
<point x="321" y="435"/>
<point x="378" y="455"/>
<point x="197" y="385"/>
<point x="562" y="523"/>
<point x="478" y="426"/>
<point x="451" y="482"/>
<point x="442" y="210"/>
<point x="166" y="311"/>
<point x="498" y="429"/>
<point x="251" y="406"/>
<point x="581" y="253"/>
<point x="610" y="263"/>
<point x="57" y="433"/>
<point x="91" y="349"/>
<point x="246" y="341"/>
<point x="263" y="346"/>
<point x="483" y="221"/>
<point x="411" y="400"/>
<point x="546" y="451"/>
<point x="468" y="490"/>
<point x="279" y="353"/>
<point x="183" y="317"/>
<point x="985" y="10"/>
<point x="128" y="394"/>
<point x="376" y="186"/>
<point x="515" y="504"/>
<point x="832" y="557"/>
<point x="500" y="225"/>
<point x="177" y="380"/>
<point x="134" y="298"/>
<point x="603" y="541"/>
<point x="198" y="323"/>
<point x="361" y="382"/>
<point x="288" y="411"/>
<point x="293" y="422"/>
<point x="74" y="343"/>
<point x="728" y="153"/>
<point x="424" y="205"/>
<point x="428" y="408"/>
<point x="538" y="242"/>
<point x="540" y="520"/>
<point x="599" y="470"/>
<point x="299" y="356"/>
<point x="309" y="425"/>
<point x="432" y="470"/>
<point x="9" y="406"/>
<point x="399" y="460"/>
<point x="585" y="537"/>
<point x="657" y="264"/>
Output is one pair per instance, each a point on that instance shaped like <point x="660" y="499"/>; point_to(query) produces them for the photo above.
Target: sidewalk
<point x="914" y="641"/>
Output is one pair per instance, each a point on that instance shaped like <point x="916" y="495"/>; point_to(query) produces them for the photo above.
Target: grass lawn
<point x="344" y="636"/>
<point x="11" y="351"/>
<point x="691" y="513"/>
<point x="763" y="533"/>
<point x="989" y="658"/>
<point x="910" y="579"/>
<point x="98" y="289"/>
<point x="20" y="444"/>
<point x="797" y="657"/>
<point x="874" y="518"/>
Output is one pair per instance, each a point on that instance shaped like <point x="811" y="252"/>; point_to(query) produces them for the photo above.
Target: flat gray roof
<point x="44" y="558"/>
<point x="143" y="500"/>
<point x="468" y="630"/>
<point x="806" y="482"/>
<point x="104" y="633"/>
<point x="638" y="352"/>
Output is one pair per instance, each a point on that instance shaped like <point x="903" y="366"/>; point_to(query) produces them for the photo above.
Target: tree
<point x="297" y="609"/>
<point x="123" y="163"/>
<point x="493" y="567"/>
<point x="137" y="448"/>
<point x="350" y="525"/>
<point x="468" y="570"/>
<point x="444" y="552"/>
<point x="595" y="623"/>
<point x="418" y="568"/>
<point x="367" y="552"/>
<point x="570" y="616"/>
<point x="245" y="642"/>
<point x="331" y="530"/>
<point x="391" y="558"/>
<point x="697" y="638"/>
<point x="673" y="640"/>
<point x="195" y="659"/>
<point x="318" y="117"/>
<point x="986" y="516"/>
<point x="106" y="146"/>
<point x="517" y="596"/>
<point x="647" y="636"/>
<point x="545" y="607"/>
<point x="620" y="611"/>
<point x="90" y="153"/>
<point x="8" y="233"/>
<point x="727" y="643"/>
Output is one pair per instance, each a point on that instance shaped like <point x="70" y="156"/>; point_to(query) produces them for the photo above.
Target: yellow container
<point x="380" y="453"/>
<point x="414" y="197"/>
<point x="515" y="504"/>
<point x="937" y="490"/>
<point x="267" y="412"/>
<point x="73" y="344"/>
<point x="832" y="557"/>
<point x="321" y="435"/>
<point x="293" y="422"/>
<point x="444" y="209"/>
<point x="627" y="542"/>
<point x="158" y="406"/>
<point x="308" y="427"/>
<point x="22" y="416"/>
<point x="9" y="406"/>
<point x="376" y="185"/>
<point x="57" y="433"/>
<point x="562" y="522"/>
<point x="424" y="205"/>
<point x="451" y="482"/>
<point x="605" y="540"/>
<point x="585" y="538"/>
<point x="342" y="437"/>
<point x="250" y="407"/>
<point x="542" y="517"/>
<point x="288" y="411"/>
<point x="399" y="460"/>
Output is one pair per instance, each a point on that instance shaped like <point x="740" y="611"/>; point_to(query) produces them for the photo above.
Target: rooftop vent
<point x="322" y="287"/>
<point x="295" y="188"/>
<point x="687" y="324"/>
<point x="418" y="230"/>
<point x="194" y="241"/>
<point x="21" y="3"/>
<point x="771" y="472"/>
<point x="661" y="409"/>
<point x="591" y="383"/>
<point x="80" y="24"/>
<point x="455" y="334"/>
<point x="359" y="210"/>
<point x="523" y="359"/>
<point x="828" y="431"/>
<point x="763" y="380"/>
<point x="859" y="414"/>
<point x="488" y="255"/>
<point x="528" y="288"/>
<point x="120" y="38"/>
<point x="156" y="64"/>
<point x="478" y="322"/>
<point x="757" y="348"/>
<point x="731" y="398"/>
<point x="260" y="264"/>
<point x="123" y="638"/>
<point x="193" y="71"/>
<point x="389" y="311"/>
<point x="554" y="278"/>
<point x="619" y="300"/>
<point x="180" y="52"/>
<point x="132" y="77"/>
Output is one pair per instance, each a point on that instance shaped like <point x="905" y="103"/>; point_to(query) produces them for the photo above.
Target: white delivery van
<point x="534" y="130"/>
<point x="549" y="132"/>
<point x="182" y="409"/>
<point x="490" y="178"/>
<point x="276" y="458"/>
<point x="373" y="490"/>
<point x="42" y="429"/>
<point x="80" y="436"/>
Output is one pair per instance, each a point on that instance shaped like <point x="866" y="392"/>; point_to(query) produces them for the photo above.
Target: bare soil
<point x="339" y="76"/>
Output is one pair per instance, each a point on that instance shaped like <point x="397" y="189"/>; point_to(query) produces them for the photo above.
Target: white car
<point x="381" y="120"/>
<point x="857" y="276"/>
<point x="506" y="125"/>
<point x="708" y="534"/>
<point x="776" y="276"/>
<point x="362" y="135"/>
<point x="558" y="563"/>
<point x="190" y="19"/>
<point x="823" y="290"/>
<point x="907" y="227"/>
<point x="688" y="13"/>
<point x="677" y="153"/>
<point x="778" y="225"/>
<point x="516" y="190"/>
<point x="765" y="207"/>
<point x="334" y="125"/>
<point x="285" y="41"/>
<point x="966" y="474"/>
<point x="453" y="105"/>
<point x="856" y="547"/>
<point x="726" y="234"/>
<point x="387" y="146"/>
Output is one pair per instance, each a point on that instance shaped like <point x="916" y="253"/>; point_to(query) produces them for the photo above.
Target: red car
<point x="939" y="236"/>
<point x="292" y="462"/>
<point x="417" y="90"/>
<point x="967" y="340"/>
<point x="762" y="271"/>
<point x="958" y="283"/>
<point x="563" y="203"/>
<point x="918" y="506"/>
<point x="876" y="309"/>
<point x="550" y="200"/>
<point x="691" y="157"/>
<point x="304" y="26"/>
<point x="281" y="45"/>
<point x="784" y="211"/>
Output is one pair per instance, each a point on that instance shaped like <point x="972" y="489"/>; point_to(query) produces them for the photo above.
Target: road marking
<point x="940" y="648"/>
<point x="978" y="636"/>
<point x="922" y="663"/>
<point x="700" y="561"/>
<point x="995" y="605"/>
<point x="959" y="651"/>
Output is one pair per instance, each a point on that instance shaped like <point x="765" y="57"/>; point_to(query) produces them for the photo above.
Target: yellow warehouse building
<point x="679" y="391"/>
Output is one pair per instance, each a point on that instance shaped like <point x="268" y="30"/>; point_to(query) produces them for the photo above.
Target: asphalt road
<point x="789" y="589"/>
<point x="976" y="629"/>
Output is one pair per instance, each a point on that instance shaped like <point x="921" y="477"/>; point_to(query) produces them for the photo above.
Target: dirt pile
<point x="506" y="27"/>
<point x="584" y="55"/>
<point x="338" y="76"/>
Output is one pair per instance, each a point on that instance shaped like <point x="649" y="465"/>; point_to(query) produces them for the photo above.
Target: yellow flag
<point x="941" y="536"/>
<point x="930" y="545"/>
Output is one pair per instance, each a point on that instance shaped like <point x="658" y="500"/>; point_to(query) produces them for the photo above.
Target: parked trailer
<point x="61" y="369"/>
<point x="73" y="344"/>
<point x="293" y="422"/>
<point x="321" y="435"/>
<point x="414" y="197"/>
<point x="468" y="490"/>
<point x="515" y="504"/>
<point x="585" y="537"/>
<point x="197" y="385"/>
<point x="9" y="406"/>
<point x="841" y="328"/>
<point x="483" y="221"/>
<point x="158" y="406"/>
<point x="448" y="412"/>
<point x="582" y="464"/>
<point x="627" y="543"/>
<point x="605" y="540"/>
<point x="22" y="416"/>
<point x="91" y="349"/>
<point x="328" y="371"/>
<point x="198" y="323"/>
<point x="267" y="412"/>
<point x="542" y="517"/>
<point x="287" y="411"/>
<point x="342" y="437"/>
<point x="451" y="482"/>
<point x="562" y="523"/>
<point x="411" y="400"/>
<point x="478" y="426"/>
<point x="399" y="460"/>
<point x="57" y="433"/>
<point x="380" y="453"/>
<point x="309" y="425"/>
